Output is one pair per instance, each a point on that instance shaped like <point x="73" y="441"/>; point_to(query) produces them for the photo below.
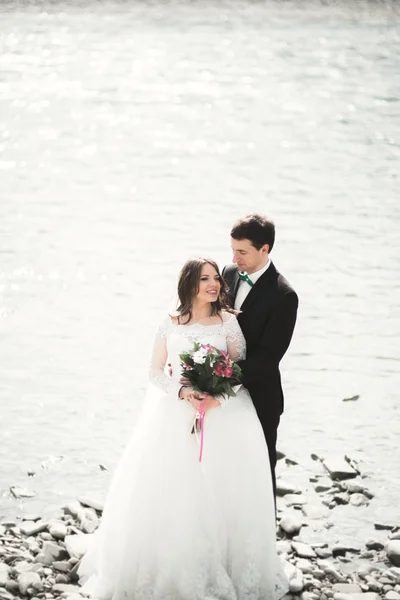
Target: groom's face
<point x="247" y="257"/>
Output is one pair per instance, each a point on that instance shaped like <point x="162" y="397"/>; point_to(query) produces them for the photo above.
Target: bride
<point x="174" y="528"/>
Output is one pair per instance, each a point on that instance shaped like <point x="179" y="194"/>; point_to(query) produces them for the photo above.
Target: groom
<point x="268" y="308"/>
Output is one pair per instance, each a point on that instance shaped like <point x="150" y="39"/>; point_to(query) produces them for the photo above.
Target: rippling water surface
<point x="132" y="135"/>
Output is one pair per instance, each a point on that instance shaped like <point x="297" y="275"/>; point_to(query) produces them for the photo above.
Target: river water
<point x="132" y="135"/>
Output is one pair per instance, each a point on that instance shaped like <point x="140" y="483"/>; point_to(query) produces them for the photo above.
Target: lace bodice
<point x="173" y="339"/>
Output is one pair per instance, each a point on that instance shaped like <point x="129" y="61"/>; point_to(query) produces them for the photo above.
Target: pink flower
<point x="219" y="370"/>
<point x="228" y="372"/>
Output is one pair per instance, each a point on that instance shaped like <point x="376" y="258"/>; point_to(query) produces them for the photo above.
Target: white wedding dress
<point x="174" y="528"/>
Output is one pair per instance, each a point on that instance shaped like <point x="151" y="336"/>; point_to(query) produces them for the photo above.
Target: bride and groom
<point x="174" y="528"/>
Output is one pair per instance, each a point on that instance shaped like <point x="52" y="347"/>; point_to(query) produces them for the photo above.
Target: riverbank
<point x="40" y="556"/>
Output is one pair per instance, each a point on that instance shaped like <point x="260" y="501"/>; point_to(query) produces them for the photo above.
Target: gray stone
<point x="60" y="578"/>
<point x="329" y="569"/>
<point x="341" y="550"/>
<point x="341" y="596"/>
<point x="75" y="509"/>
<point x="295" y="500"/>
<point x="339" y="469"/>
<point x="93" y="502"/>
<point x="90" y="526"/>
<point x="383" y="526"/>
<point x="365" y="596"/>
<point x="50" y="553"/>
<point x="58" y="530"/>
<point x="341" y="498"/>
<point x="312" y="511"/>
<point x="4" y="572"/>
<point x="32" y="527"/>
<point x="12" y="587"/>
<point x="5" y="595"/>
<point x="27" y="580"/>
<point x="392" y="595"/>
<point x="284" y="487"/>
<point x="304" y="565"/>
<point x="324" y="484"/>
<point x="346" y="588"/>
<point x="62" y="565"/>
<point x="323" y="552"/>
<point x="374" y="585"/>
<point x="294" y="577"/>
<point x="358" y="500"/>
<point x="303" y="550"/>
<point x="284" y="547"/>
<point x="308" y="596"/>
<point x="61" y="588"/>
<point x="393" y="552"/>
<point x="19" y="492"/>
<point x="31" y="517"/>
<point x="78" y="545"/>
<point x="22" y="567"/>
<point x="372" y="544"/>
<point x="291" y="523"/>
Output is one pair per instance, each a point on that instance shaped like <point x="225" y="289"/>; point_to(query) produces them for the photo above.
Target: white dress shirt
<point x="244" y="288"/>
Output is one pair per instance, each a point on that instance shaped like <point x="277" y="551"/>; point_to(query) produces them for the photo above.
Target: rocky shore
<point x="39" y="558"/>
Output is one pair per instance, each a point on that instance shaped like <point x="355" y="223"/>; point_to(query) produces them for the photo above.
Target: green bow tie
<point x="244" y="277"/>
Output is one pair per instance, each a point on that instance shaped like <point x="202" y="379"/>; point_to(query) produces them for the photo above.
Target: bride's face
<point x="209" y="284"/>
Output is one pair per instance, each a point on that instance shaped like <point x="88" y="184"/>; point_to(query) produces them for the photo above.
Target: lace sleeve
<point x="157" y="374"/>
<point x="236" y="342"/>
<point x="236" y="345"/>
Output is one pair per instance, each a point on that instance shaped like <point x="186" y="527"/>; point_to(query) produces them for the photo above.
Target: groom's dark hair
<point x="256" y="228"/>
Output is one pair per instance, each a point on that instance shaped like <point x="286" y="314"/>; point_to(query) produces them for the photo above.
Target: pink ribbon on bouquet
<point x="201" y="416"/>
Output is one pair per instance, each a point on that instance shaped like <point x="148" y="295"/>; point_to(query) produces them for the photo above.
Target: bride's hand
<point x="209" y="403"/>
<point x="187" y="393"/>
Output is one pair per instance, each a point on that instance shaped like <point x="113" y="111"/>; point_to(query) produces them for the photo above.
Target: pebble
<point x="33" y="527"/>
<point x="77" y="545"/>
<point x="324" y="484"/>
<point x="323" y="552"/>
<point x="58" y="530"/>
<point x="393" y="552"/>
<point x="358" y="500"/>
<point x="303" y="550"/>
<point x="338" y="468"/>
<point x="295" y="500"/>
<point x="92" y="502"/>
<point x="19" y="492"/>
<point x="50" y="553"/>
<point x="284" y="547"/>
<point x="392" y="595"/>
<point x="28" y="580"/>
<point x="372" y="544"/>
<point x="291" y="523"/>
<point x="284" y="487"/>
<point x="346" y="588"/>
<point x="341" y="549"/>
<point x="383" y="526"/>
<point x="4" y="572"/>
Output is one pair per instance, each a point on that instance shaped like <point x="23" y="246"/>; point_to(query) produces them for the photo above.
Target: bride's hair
<point x="189" y="284"/>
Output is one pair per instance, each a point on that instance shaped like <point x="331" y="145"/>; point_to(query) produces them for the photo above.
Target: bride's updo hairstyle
<point x="189" y="285"/>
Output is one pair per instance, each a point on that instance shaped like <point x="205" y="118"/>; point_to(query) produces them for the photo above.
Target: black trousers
<point x="270" y="428"/>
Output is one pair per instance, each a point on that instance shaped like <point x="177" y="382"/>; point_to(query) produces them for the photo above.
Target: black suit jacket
<point x="267" y="319"/>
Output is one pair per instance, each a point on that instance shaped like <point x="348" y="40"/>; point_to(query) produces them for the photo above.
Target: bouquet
<point x="211" y="371"/>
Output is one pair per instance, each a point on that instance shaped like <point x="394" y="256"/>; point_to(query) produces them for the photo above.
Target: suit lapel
<point x="259" y="287"/>
<point x="234" y="286"/>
